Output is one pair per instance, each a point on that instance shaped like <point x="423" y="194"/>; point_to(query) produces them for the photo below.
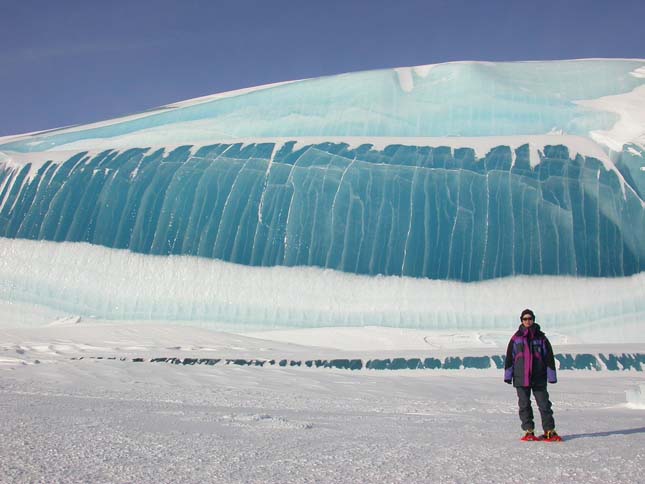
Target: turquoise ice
<point x="265" y="178"/>
<point x="404" y="210"/>
<point x="455" y="99"/>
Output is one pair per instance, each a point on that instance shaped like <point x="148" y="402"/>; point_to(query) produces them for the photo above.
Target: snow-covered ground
<point x="114" y="420"/>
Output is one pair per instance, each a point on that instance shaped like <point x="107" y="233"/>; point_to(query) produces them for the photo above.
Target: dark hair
<point x="527" y="311"/>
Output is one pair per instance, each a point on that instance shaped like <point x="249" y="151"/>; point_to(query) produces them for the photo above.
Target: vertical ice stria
<point x="460" y="172"/>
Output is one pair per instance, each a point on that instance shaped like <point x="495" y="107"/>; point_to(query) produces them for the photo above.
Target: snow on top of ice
<point x="151" y="112"/>
<point x="640" y="72"/>
<point x="223" y="95"/>
<point x="405" y="78"/>
<point x="17" y="161"/>
<point x="12" y="137"/>
<point x="630" y="108"/>
<point x="423" y="71"/>
<point x="199" y="133"/>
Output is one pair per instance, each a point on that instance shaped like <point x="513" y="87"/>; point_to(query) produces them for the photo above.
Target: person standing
<point x="529" y="366"/>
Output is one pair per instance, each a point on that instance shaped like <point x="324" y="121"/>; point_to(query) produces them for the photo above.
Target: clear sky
<point x="78" y="61"/>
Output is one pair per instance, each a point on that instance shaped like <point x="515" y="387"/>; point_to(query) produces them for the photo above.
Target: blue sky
<point x="74" y="62"/>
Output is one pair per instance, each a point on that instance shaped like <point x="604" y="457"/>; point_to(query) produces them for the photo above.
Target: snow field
<point x="88" y="420"/>
<point x="114" y="422"/>
<point x="636" y="397"/>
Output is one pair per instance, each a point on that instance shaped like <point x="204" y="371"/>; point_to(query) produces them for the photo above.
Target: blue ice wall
<point x="404" y="210"/>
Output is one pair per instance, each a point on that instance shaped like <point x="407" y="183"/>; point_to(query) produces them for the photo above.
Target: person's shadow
<point x="608" y="433"/>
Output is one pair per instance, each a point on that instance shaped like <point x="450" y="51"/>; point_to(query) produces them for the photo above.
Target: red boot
<point x="551" y="436"/>
<point x="529" y="436"/>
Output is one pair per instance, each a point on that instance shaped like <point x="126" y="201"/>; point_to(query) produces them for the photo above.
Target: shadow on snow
<point x="609" y="433"/>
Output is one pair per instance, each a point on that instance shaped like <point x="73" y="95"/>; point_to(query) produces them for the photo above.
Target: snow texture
<point x="636" y="397"/>
<point x="93" y="420"/>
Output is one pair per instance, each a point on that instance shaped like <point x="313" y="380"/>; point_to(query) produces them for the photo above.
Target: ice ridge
<point x="431" y="212"/>
<point x="565" y="361"/>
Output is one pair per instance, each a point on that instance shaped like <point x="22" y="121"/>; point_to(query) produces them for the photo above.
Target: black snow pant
<point x="543" y="403"/>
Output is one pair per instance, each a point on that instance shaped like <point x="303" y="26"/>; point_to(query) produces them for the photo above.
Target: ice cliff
<point x="464" y="171"/>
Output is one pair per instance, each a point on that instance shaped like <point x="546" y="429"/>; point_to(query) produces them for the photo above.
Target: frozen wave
<point x="436" y="212"/>
<point x="466" y="171"/>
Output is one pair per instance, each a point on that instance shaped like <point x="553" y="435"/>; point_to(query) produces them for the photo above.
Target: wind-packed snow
<point x="636" y="397"/>
<point x="110" y="420"/>
<point x="630" y="127"/>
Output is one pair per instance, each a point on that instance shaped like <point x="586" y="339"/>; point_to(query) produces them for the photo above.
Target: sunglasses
<point x="527" y="319"/>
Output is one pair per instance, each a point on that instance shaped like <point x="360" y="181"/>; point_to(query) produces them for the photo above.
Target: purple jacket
<point x="529" y="359"/>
